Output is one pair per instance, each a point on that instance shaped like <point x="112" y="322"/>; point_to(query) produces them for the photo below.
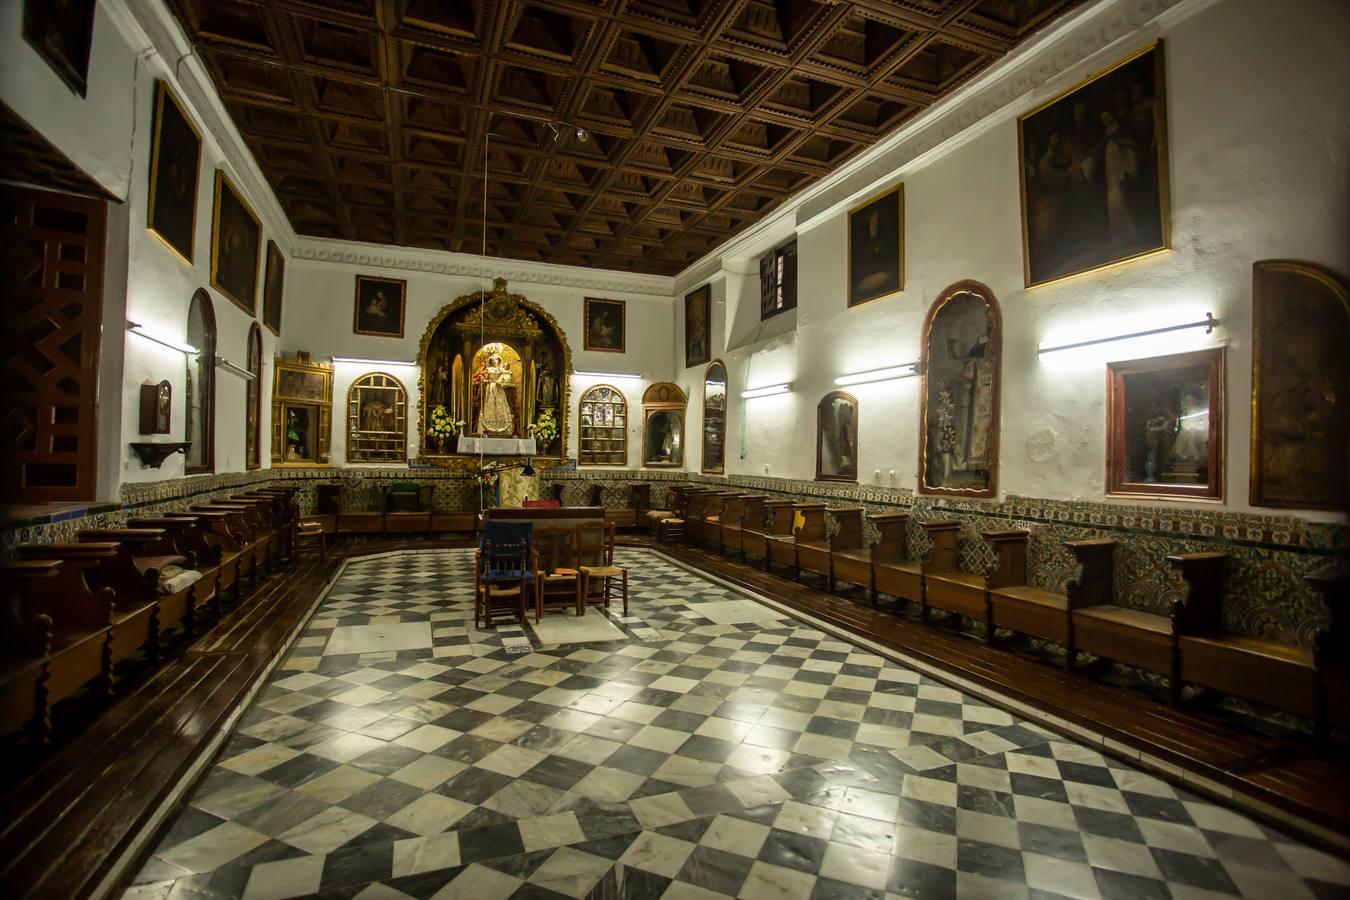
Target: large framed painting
<point x="663" y="408"/>
<point x="958" y="419"/>
<point x="606" y="325"/>
<point x="236" y="246"/>
<point x="175" y="160"/>
<point x="274" y="285"/>
<point x="1164" y="426"/>
<point x="62" y="33"/>
<point x="379" y="306"/>
<point x="1300" y="382"/>
<point x="1094" y="171"/>
<point x="876" y="247"/>
<point x="837" y="437"/>
<point x="698" y="327"/>
<point x="715" y="419"/>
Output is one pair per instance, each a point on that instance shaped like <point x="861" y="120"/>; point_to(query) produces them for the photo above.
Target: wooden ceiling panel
<point x="371" y="118"/>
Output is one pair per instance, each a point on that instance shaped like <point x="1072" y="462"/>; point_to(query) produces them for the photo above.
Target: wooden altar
<point x="495" y="362"/>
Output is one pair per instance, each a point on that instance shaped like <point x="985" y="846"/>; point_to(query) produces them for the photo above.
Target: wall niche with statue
<point x="493" y="368"/>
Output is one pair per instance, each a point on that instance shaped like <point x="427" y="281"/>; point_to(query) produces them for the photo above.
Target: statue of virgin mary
<point x="495" y="416"/>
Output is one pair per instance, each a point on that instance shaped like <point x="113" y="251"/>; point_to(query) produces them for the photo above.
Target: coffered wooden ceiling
<point x="369" y="117"/>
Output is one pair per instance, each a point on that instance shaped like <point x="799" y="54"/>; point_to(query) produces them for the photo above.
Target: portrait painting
<point x="379" y="306"/>
<point x="62" y="33"/>
<point x="1165" y="426"/>
<point x="606" y="324"/>
<point x="960" y="394"/>
<point x="663" y="438"/>
<point x="1094" y="171"/>
<point x="1300" y="386"/>
<point x="876" y="234"/>
<point x="274" y="283"/>
<point x="175" y="156"/>
<point x="698" y="327"/>
<point x="236" y="246"/>
<point x="837" y="437"/>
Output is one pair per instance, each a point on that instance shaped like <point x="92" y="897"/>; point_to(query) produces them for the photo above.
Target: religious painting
<point x="1094" y="171"/>
<point x="379" y="306"/>
<point x="663" y="408"/>
<point x="715" y="419"/>
<point x="497" y="377"/>
<point x="62" y="33"/>
<point x="1300" y="386"/>
<point x="876" y="258"/>
<point x="301" y="385"/>
<point x="236" y="246"/>
<point x="698" y="327"/>
<point x="837" y="437"/>
<point x="606" y="324"/>
<point x="1164" y="433"/>
<point x="962" y="347"/>
<point x="274" y="284"/>
<point x="377" y="419"/>
<point x="175" y="155"/>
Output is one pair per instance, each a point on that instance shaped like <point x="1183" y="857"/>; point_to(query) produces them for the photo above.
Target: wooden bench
<point x="749" y="529"/>
<point x="217" y="534"/>
<point x="150" y="551"/>
<point x="246" y="534"/>
<point x="710" y="523"/>
<point x="850" y="557"/>
<point x="894" y="573"/>
<point x="696" y="504"/>
<point x="780" y="544"/>
<point x="949" y="588"/>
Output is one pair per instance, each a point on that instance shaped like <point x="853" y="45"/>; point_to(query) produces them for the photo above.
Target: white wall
<point x="1258" y="96"/>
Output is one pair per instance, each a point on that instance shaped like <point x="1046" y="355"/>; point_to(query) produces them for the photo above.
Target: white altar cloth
<point x="492" y="446"/>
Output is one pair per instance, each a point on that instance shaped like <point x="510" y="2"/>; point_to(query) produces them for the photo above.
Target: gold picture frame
<point x="368" y="320"/>
<point x="593" y="339"/>
<point x="663" y="413"/>
<point x="304" y="387"/>
<point x="160" y="218"/>
<point x="232" y="273"/>
<point x="866" y="251"/>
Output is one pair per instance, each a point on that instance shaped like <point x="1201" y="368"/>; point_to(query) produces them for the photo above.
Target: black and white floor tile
<point x="705" y="746"/>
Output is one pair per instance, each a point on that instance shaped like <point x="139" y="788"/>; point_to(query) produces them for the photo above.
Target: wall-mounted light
<point x="767" y="391"/>
<point x="904" y="370"/>
<point x="223" y="363"/>
<point x="180" y="346"/>
<point x="372" y="362"/>
<point x="1209" y="323"/>
<point x="608" y="375"/>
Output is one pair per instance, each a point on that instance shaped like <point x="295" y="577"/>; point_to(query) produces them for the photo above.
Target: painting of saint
<point x="959" y="398"/>
<point x="274" y="283"/>
<point x="697" y="327"/>
<point x="876" y="231"/>
<point x="663" y="439"/>
<point x="62" y="32"/>
<point x="605" y="325"/>
<point x="175" y="155"/>
<point x="1094" y="172"/>
<point x="236" y="245"/>
<point x="379" y="306"/>
<point x="837" y="437"/>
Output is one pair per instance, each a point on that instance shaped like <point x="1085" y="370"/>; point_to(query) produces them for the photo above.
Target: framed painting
<point x="876" y="247"/>
<point x="175" y="160"/>
<point x="62" y="34"/>
<point x="837" y="437"/>
<point x="236" y="245"/>
<point x="606" y="325"/>
<point x="698" y="327"/>
<point x="379" y="306"/>
<point x="715" y="419"/>
<point x="663" y="407"/>
<point x="958" y="418"/>
<point x="274" y="284"/>
<point x="1164" y="426"/>
<point x="1300" y="380"/>
<point x="1094" y="171"/>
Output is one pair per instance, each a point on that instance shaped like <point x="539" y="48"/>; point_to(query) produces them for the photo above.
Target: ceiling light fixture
<point x="767" y="391"/>
<point x="889" y="373"/>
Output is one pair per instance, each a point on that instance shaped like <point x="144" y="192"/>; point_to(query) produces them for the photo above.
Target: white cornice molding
<point x="1034" y="71"/>
<point x="443" y="262"/>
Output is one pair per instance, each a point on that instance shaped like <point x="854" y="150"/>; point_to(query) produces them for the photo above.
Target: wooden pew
<point x="810" y="542"/>
<point x="729" y="526"/>
<point x="187" y="537"/>
<point x="278" y="514"/>
<point x="850" y="558"/>
<point x="893" y="571"/>
<point x="217" y="533"/>
<point x="640" y="502"/>
<point x="261" y="515"/>
<point x="695" y="501"/>
<point x="710" y="533"/>
<point x="75" y="624"/>
<point x="1047" y="614"/>
<point x="150" y="551"/>
<point x="252" y="545"/>
<point x="947" y="587"/>
<point x="780" y="544"/>
<point x="25" y="652"/>
<point x="754" y="510"/>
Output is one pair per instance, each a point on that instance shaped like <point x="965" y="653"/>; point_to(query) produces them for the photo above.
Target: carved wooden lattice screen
<point x="51" y="265"/>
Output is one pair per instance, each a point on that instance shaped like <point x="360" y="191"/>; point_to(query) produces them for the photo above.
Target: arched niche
<point x="603" y="433"/>
<point x="961" y="362"/>
<point x="663" y="409"/>
<point x="714" y="460"/>
<point x="377" y="419"/>
<point x="496" y="362"/>
<point x="837" y="437"/>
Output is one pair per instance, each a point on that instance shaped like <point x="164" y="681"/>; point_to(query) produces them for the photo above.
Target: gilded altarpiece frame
<point x="302" y="411"/>
<point x="533" y="374"/>
<point x="377" y="419"/>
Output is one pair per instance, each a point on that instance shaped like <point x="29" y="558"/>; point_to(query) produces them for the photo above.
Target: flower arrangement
<point x="441" y="425"/>
<point x="545" y="428"/>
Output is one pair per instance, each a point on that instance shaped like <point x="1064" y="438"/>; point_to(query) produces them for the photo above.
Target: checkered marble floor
<point x="705" y="746"/>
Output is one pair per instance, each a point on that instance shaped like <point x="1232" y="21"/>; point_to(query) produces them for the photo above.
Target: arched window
<point x="604" y="428"/>
<point x="201" y="385"/>
<point x="377" y="419"/>
<point x="253" y="401"/>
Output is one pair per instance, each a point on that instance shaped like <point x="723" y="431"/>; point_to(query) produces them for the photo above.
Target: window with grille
<point x="778" y="281"/>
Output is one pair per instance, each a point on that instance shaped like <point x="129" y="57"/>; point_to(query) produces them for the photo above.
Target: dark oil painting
<point x="875" y="255"/>
<point x="175" y="156"/>
<point x="236" y="245"/>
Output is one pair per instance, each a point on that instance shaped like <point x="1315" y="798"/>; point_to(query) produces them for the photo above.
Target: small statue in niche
<point x="440" y="381"/>
<point x="546" y="387"/>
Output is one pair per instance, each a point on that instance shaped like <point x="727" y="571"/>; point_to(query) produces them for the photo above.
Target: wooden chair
<point x="712" y="518"/>
<point x="750" y="529"/>
<point x="557" y="582"/>
<point x="729" y="524"/>
<point x="893" y="572"/>
<point x="502" y="572"/>
<point x="310" y="539"/>
<point x="811" y="546"/>
<point x="850" y="560"/>
<point x="780" y="544"/>
<point x="696" y="502"/>
<point x="595" y="554"/>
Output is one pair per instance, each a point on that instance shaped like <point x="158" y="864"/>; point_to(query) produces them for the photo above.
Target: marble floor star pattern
<point x="705" y="746"/>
